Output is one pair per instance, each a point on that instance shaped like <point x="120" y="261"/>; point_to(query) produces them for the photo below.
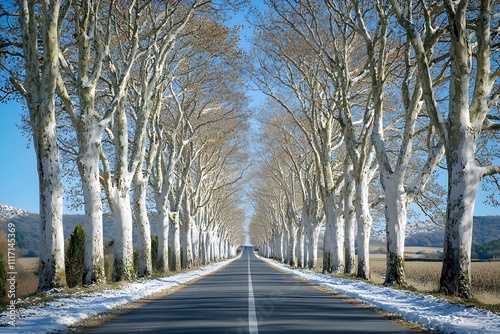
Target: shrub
<point x="154" y="252"/>
<point x="75" y="253"/>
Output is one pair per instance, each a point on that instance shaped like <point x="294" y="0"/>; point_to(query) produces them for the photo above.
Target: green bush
<point x="75" y="253"/>
<point x="135" y="270"/>
<point x="154" y="252"/>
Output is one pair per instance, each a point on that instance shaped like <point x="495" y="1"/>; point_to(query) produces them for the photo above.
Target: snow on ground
<point x="57" y="315"/>
<point x="435" y="314"/>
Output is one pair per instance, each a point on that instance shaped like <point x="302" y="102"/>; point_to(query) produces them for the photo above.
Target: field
<point x="424" y="275"/>
<point x="27" y="278"/>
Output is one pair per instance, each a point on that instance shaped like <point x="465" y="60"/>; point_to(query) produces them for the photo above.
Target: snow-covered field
<point x="433" y="313"/>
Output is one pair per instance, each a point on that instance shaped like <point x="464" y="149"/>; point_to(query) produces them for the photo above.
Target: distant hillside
<point x="488" y="250"/>
<point x="28" y="227"/>
<point x="486" y="229"/>
<point x="28" y="230"/>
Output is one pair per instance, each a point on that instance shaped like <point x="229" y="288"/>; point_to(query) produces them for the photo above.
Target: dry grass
<point x="424" y="276"/>
<point x="27" y="283"/>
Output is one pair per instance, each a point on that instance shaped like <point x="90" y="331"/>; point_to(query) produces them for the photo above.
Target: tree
<point x="385" y="60"/>
<point x="40" y="27"/>
<point x="473" y="93"/>
<point x="75" y="254"/>
<point x="292" y="75"/>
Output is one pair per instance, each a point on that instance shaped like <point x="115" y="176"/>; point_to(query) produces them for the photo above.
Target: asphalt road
<point x="249" y="296"/>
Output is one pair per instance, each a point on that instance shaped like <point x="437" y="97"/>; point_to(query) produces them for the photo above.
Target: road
<point x="249" y="296"/>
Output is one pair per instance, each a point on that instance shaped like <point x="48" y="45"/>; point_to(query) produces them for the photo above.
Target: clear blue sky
<point x="18" y="172"/>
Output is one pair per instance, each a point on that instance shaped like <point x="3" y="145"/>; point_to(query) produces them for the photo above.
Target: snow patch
<point x="8" y="212"/>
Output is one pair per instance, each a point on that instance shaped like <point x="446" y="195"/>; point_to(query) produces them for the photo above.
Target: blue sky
<point x="18" y="173"/>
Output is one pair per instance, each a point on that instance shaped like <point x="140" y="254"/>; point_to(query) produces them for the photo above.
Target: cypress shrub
<point x="154" y="252"/>
<point x="75" y="253"/>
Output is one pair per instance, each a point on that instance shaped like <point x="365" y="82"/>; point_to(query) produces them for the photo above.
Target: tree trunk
<point x="312" y="253"/>
<point x="300" y="247"/>
<point x="163" y="236"/>
<point x="145" y="266"/>
<point x="176" y="241"/>
<point x="291" y="246"/>
<point x="41" y="72"/>
<point x="123" y="266"/>
<point x="51" y="262"/>
<point x="187" y="244"/>
<point x="350" y="226"/>
<point x="463" y="182"/>
<point x="335" y="256"/>
<point x="203" y="244"/>
<point x="279" y="246"/>
<point x="395" y="215"/>
<point x="463" y="174"/>
<point x="89" y="143"/>
<point x="364" y="221"/>
<point x="328" y="239"/>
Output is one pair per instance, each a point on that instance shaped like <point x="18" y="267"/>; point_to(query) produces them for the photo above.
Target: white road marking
<point x="253" y="325"/>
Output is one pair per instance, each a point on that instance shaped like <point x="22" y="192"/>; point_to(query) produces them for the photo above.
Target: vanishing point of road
<point x="249" y="296"/>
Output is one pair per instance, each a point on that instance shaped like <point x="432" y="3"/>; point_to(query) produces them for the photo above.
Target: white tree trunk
<point x="203" y="241"/>
<point x="187" y="225"/>
<point x="145" y="266"/>
<point x="196" y="247"/>
<point x="364" y="220"/>
<point x="312" y="253"/>
<point x="176" y="241"/>
<point x="350" y="223"/>
<point x="41" y="73"/>
<point x="123" y="266"/>
<point x="395" y="214"/>
<point x="463" y="182"/>
<point x="163" y="236"/>
<point x="89" y="143"/>
<point x="279" y="248"/>
<point x="300" y="247"/>
<point x="51" y="261"/>
<point x="335" y="232"/>
<point x="292" y="236"/>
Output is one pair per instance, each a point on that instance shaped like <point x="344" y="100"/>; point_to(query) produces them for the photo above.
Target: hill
<point x="28" y="227"/>
<point x="486" y="229"/>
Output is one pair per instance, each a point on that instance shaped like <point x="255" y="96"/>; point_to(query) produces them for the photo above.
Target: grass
<point x="423" y="279"/>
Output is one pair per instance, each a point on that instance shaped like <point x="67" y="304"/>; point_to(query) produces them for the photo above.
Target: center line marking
<point x="253" y="326"/>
